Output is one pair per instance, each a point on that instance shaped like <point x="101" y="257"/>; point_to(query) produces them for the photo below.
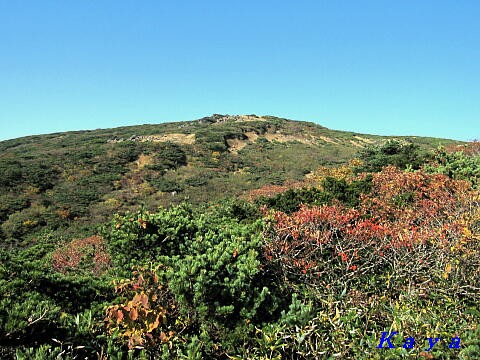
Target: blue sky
<point x="382" y="67"/>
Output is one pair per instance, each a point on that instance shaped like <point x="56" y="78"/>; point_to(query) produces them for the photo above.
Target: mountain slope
<point x="63" y="184"/>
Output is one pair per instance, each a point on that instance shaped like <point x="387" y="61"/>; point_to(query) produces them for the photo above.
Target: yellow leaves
<point x="344" y="172"/>
<point x="141" y="321"/>
<point x="30" y="223"/>
<point x="467" y="233"/>
<point x="355" y="162"/>
<point x="337" y="315"/>
<point x="389" y="277"/>
<point x="153" y="325"/>
<point x="63" y="213"/>
<point x="32" y="190"/>
<point x="448" y="270"/>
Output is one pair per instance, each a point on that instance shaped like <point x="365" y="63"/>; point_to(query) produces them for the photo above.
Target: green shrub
<point x="11" y="171"/>
<point x="348" y="193"/>
<point x="165" y="185"/>
<point x="11" y="203"/>
<point x="20" y="223"/>
<point x="34" y="300"/>
<point x="168" y="156"/>
<point x="140" y="238"/>
<point x="456" y="165"/>
<point x="392" y="152"/>
<point x="212" y="265"/>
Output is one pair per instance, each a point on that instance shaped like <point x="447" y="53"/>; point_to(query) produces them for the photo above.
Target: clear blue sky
<point x="407" y="67"/>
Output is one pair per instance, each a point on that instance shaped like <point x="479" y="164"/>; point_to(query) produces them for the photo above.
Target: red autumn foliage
<point x="470" y="149"/>
<point x="412" y="207"/>
<point x="89" y="253"/>
<point x="410" y="222"/>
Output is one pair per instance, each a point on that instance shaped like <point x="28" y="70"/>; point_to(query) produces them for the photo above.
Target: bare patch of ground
<point x="143" y="160"/>
<point x="251" y="135"/>
<point x="239" y="118"/>
<point x="356" y="143"/>
<point x="175" y="138"/>
<point x="287" y="138"/>
<point x="235" y="145"/>
<point x="362" y="139"/>
<point x="328" y="140"/>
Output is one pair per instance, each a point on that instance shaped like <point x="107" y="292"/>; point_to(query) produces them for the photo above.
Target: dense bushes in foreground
<point x="322" y="279"/>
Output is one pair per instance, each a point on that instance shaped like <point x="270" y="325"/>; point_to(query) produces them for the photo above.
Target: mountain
<point x="242" y="237"/>
<point x="64" y="184"/>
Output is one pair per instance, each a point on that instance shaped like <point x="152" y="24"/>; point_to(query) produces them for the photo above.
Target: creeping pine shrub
<point x="392" y="153"/>
<point x="212" y="264"/>
<point x="463" y="163"/>
<point x="26" y="311"/>
<point x="330" y="189"/>
<point x="143" y="237"/>
<point x="167" y="156"/>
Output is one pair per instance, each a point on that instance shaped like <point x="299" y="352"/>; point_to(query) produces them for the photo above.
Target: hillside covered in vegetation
<point x="240" y="237"/>
<point x="67" y="182"/>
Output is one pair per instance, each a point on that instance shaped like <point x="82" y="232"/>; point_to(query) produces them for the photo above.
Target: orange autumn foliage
<point x="147" y="313"/>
